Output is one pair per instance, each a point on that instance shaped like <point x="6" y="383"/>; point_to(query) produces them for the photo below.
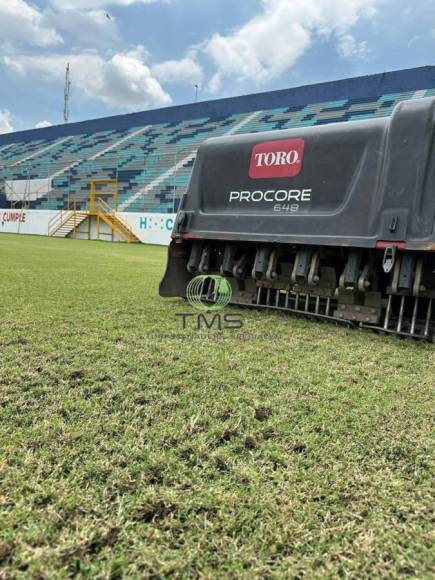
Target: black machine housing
<point x="333" y="221"/>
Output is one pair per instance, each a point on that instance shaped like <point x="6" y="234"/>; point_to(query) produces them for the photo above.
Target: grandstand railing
<point x="68" y="181"/>
<point x="61" y="217"/>
<point x="108" y="214"/>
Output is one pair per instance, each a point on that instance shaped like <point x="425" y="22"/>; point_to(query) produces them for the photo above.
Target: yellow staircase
<point x="108" y="214"/>
<point x="66" y="222"/>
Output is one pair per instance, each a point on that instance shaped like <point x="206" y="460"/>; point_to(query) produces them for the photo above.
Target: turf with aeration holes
<point x="132" y="448"/>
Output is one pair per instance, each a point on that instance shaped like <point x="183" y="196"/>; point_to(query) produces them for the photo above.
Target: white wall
<point x="16" y="221"/>
<point x="151" y="228"/>
<point x="88" y="230"/>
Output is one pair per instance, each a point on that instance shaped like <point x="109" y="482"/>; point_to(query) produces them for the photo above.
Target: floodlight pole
<point x="196" y="93"/>
<point x="66" y="95"/>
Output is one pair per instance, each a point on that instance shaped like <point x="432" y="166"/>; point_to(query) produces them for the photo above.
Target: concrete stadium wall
<point x="151" y="228"/>
<point x="15" y="221"/>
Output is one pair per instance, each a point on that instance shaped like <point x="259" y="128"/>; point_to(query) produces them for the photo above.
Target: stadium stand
<point x="151" y="154"/>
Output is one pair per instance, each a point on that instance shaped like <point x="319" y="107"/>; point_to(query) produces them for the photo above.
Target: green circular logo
<point x="208" y="293"/>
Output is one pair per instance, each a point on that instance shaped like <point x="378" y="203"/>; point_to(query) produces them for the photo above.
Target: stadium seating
<point x="153" y="163"/>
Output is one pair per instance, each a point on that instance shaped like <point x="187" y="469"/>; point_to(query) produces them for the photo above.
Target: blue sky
<point x="129" y="55"/>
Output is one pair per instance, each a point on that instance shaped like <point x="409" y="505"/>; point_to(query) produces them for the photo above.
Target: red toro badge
<point x="277" y="159"/>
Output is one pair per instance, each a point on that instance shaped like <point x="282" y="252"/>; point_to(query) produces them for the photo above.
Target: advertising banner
<point x="151" y="228"/>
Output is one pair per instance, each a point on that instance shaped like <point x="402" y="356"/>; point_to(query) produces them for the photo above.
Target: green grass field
<point x="294" y="449"/>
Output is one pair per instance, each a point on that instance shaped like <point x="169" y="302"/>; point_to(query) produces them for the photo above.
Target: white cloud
<point x="43" y="124"/>
<point x="88" y="27"/>
<point x="91" y="4"/>
<point x="186" y="70"/>
<point x="349" y="47"/>
<point x="24" y="24"/>
<point x="215" y="83"/>
<point x="5" y="121"/>
<point x="123" y="81"/>
<point x="272" y="42"/>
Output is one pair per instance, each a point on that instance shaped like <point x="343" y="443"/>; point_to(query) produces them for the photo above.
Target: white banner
<point x="17" y="221"/>
<point x="151" y="228"/>
<point x="27" y="189"/>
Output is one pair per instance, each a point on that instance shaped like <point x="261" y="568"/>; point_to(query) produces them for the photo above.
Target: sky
<point x="133" y="55"/>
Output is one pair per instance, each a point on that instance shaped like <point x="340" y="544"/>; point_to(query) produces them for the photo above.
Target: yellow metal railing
<point x="57" y="221"/>
<point x="101" y="210"/>
<point x="94" y="194"/>
<point x="116" y="223"/>
<point x="63" y="217"/>
<point x="104" y="207"/>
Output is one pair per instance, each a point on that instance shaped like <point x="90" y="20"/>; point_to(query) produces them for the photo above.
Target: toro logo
<point x="277" y="159"/>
